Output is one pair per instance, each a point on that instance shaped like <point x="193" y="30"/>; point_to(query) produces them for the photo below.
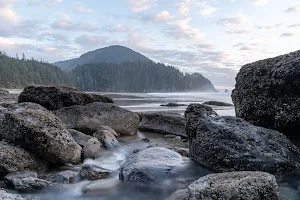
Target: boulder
<point x="40" y="132"/>
<point x="14" y="159"/>
<point x="107" y="136"/>
<point x="25" y="181"/>
<point x="217" y="103"/>
<point x="79" y="137"/>
<point x="267" y="94"/>
<point x="232" y="144"/>
<point x="6" y="97"/>
<point x="93" y="172"/>
<point x="63" y="177"/>
<point x="173" y="105"/>
<point x="91" y="117"/>
<point x="6" y="196"/>
<point x="151" y="165"/>
<point x="92" y="148"/>
<point x="163" y="122"/>
<point x="56" y="97"/>
<point x="234" y="185"/>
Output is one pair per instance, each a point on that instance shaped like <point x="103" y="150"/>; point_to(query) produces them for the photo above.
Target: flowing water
<point x="172" y="189"/>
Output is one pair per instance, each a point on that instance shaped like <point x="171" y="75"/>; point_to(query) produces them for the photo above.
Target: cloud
<point x="268" y="27"/>
<point x="119" y="28"/>
<point x="245" y="47"/>
<point x="43" y="3"/>
<point x="7" y="15"/>
<point x="294" y="26"/>
<point x="204" y="8"/>
<point x="260" y="2"/>
<point x="233" y="20"/>
<point x="180" y="29"/>
<point x="236" y="32"/>
<point x="163" y="16"/>
<point x="6" y="3"/>
<point x="293" y="9"/>
<point x="287" y="35"/>
<point x="140" y="5"/>
<point x="80" y="8"/>
<point x="65" y="23"/>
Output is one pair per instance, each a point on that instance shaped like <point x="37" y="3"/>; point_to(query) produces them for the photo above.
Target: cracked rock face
<point x="232" y="144"/>
<point x="234" y="185"/>
<point x="267" y="94"/>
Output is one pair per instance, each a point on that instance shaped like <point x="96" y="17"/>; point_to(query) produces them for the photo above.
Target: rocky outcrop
<point x="93" y="172"/>
<point x="7" y="196"/>
<point x="92" y="148"/>
<point x="13" y="159"/>
<point x="267" y="94"/>
<point x="234" y="185"/>
<point x="232" y="144"/>
<point x="107" y="136"/>
<point x="151" y="165"/>
<point x="63" y="177"/>
<point x="89" y="118"/>
<point x="56" y="97"/>
<point x="41" y="133"/>
<point x="6" y="97"/>
<point x="163" y="122"/>
<point x="216" y="103"/>
<point x="173" y="105"/>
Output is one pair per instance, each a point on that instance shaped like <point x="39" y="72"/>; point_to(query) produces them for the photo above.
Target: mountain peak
<point x="110" y="54"/>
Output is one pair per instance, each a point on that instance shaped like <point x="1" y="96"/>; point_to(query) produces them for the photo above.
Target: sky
<point x="212" y="37"/>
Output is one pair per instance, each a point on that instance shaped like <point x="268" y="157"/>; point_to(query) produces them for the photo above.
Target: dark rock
<point x="6" y="97"/>
<point x="107" y="136"/>
<point x="147" y="140"/>
<point x="173" y="105"/>
<point x="92" y="148"/>
<point x="267" y="94"/>
<point x="3" y="91"/>
<point x="226" y="91"/>
<point x="91" y="117"/>
<point x="151" y="165"/>
<point x="40" y="132"/>
<point x="234" y="185"/>
<point x="232" y="144"/>
<point x="56" y="97"/>
<point x="25" y="181"/>
<point x="93" y="172"/>
<point x="217" y="103"/>
<point x="163" y="122"/>
<point x="79" y="137"/>
<point x="6" y="196"/>
<point x="170" y="136"/>
<point x="14" y="159"/>
<point x="182" y="151"/>
<point x="63" y="177"/>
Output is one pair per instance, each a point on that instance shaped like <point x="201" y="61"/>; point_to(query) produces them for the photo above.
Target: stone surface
<point x="92" y="148"/>
<point x="107" y="136"/>
<point x="13" y="178"/>
<point x="217" y="103"/>
<point x="163" y="122"/>
<point x="89" y="118"/>
<point x="234" y="185"/>
<point x="151" y="165"/>
<point x="63" y="177"/>
<point x="6" y="97"/>
<point x="267" y="94"/>
<point x="93" y="172"/>
<point x="232" y="144"/>
<point x="100" y="186"/>
<point x="6" y="196"/>
<point x="56" y="97"/>
<point x="14" y="159"/>
<point x="79" y="137"/>
<point x="173" y="105"/>
<point x="40" y="132"/>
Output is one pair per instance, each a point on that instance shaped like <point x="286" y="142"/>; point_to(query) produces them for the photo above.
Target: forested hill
<point x="137" y="77"/>
<point x="111" y="54"/>
<point x="17" y="73"/>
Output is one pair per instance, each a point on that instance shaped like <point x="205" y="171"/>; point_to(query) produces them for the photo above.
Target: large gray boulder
<point x="107" y="136"/>
<point x="267" y="94"/>
<point x="6" y="196"/>
<point x="56" y="97"/>
<point x="92" y="148"/>
<point x="234" y="185"/>
<point x="232" y="144"/>
<point x="41" y="133"/>
<point x="163" y="122"/>
<point x="89" y="118"/>
<point x="63" y="177"/>
<point x="13" y="159"/>
<point x="151" y="165"/>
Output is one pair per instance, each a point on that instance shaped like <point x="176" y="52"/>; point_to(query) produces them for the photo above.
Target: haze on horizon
<point x="212" y="37"/>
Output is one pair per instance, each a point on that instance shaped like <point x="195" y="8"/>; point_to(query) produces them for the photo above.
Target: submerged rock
<point x="92" y="148"/>
<point x="151" y="165"/>
<point x="6" y="196"/>
<point x="173" y="105"/>
<point x="100" y="186"/>
<point x="63" y="177"/>
<point x="93" y="172"/>
<point x="56" y="97"/>
<point x="13" y="159"/>
<point x="163" y="122"/>
<point x="217" y="103"/>
<point x="267" y="94"/>
<point x="91" y="117"/>
<point x="234" y="185"/>
<point x="107" y="136"/>
<point x="232" y="144"/>
<point x="41" y="133"/>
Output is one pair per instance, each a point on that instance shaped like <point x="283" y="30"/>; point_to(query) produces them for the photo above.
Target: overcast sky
<point x="213" y="37"/>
